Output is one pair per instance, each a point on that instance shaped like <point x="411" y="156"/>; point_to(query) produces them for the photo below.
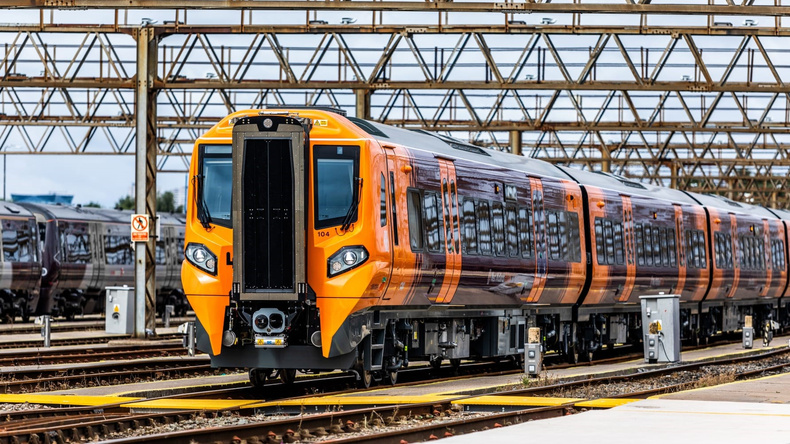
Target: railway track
<point x="385" y="424"/>
<point x="88" y="340"/>
<point x="82" y="325"/>
<point x="53" y="356"/>
<point x="104" y="373"/>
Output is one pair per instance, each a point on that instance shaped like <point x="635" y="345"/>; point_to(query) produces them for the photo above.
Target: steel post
<point x="515" y="142"/>
<point x="362" y="103"/>
<point x="145" y="180"/>
<point x="46" y="330"/>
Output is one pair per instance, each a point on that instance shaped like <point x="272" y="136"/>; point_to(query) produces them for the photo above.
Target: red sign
<point x="140" y="228"/>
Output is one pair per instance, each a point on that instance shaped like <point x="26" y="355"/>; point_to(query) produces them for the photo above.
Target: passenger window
<point x="525" y="231"/>
<point x="703" y="252"/>
<point x="608" y="234"/>
<point x="394" y="208"/>
<point x="76" y="245"/>
<point x="673" y="258"/>
<point x="470" y="228"/>
<point x="640" y="251"/>
<point x="415" y="219"/>
<point x="554" y="241"/>
<point x="456" y="217"/>
<point x="18" y="243"/>
<point x="432" y="239"/>
<point x="648" y="246"/>
<point x="444" y="223"/>
<point x="383" y="209"/>
<point x="664" y="247"/>
<point x="118" y="250"/>
<point x="656" y="247"/>
<point x="511" y="224"/>
<point x="161" y="258"/>
<point x="498" y="226"/>
<point x="599" y="242"/>
<point x="574" y="238"/>
<point x="562" y="236"/>
<point x="618" y="243"/>
<point x="484" y="227"/>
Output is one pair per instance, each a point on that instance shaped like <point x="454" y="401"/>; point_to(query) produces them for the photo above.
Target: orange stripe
<point x="628" y="235"/>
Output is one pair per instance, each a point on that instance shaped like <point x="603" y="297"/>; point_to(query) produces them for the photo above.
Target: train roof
<point x="731" y="206"/>
<point x="627" y="186"/>
<point x="75" y="212"/>
<point x="454" y="148"/>
<point x="780" y="213"/>
<point x="12" y="209"/>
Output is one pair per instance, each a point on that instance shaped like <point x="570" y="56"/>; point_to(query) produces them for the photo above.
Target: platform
<point x="653" y="420"/>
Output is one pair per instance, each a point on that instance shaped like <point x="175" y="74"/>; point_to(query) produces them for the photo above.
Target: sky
<point x="101" y="179"/>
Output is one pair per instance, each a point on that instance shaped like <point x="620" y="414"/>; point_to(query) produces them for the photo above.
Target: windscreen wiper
<point x="202" y="209"/>
<point x="352" y="209"/>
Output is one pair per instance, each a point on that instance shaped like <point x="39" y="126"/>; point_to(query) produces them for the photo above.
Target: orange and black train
<point x="317" y="241"/>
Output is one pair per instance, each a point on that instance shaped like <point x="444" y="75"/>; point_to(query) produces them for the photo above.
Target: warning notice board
<point x="140" y="228"/>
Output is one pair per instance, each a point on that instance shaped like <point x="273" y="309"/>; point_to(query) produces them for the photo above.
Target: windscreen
<point x="217" y="181"/>
<point x="335" y="170"/>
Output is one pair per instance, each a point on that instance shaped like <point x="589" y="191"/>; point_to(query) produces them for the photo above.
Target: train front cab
<point x="299" y="215"/>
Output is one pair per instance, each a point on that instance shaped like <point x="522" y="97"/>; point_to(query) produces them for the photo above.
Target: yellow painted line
<point x="353" y="400"/>
<point x="698" y="389"/>
<point x="527" y="401"/>
<point x="605" y="403"/>
<point x="190" y="404"/>
<point x="63" y="399"/>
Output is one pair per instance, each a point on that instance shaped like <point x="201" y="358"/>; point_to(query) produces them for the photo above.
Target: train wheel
<point x="365" y="378"/>
<point x="436" y="363"/>
<point x="392" y="377"/>
<point x="258" y="377"/>
<point x="573" y="354"/>
<point x="287" y="375"/>
<point x="455" y="364"/>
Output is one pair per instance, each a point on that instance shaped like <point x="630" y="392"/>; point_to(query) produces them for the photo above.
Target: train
<point x="317" y="241"/>
<point x="58" y="259"/>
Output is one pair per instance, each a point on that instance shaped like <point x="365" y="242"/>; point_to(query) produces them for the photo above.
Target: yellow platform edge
<point x="526" y="401"/>
<point x="68" y="400"/>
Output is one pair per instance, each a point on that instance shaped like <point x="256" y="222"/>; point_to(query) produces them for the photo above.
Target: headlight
<point x="346" y="259"/>
<point x="201" y="257"/>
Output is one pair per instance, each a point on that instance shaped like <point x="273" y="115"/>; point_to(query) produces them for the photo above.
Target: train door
<point x="541" y="247"/>
<point x="97" y="246"/>
<point x="399" y="284"/>
<point x="452" y="229"/>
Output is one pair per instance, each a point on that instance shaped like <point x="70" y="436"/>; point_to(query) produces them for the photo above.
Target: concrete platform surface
<point x="770" y="389"/>
<point x="653" y="420"/>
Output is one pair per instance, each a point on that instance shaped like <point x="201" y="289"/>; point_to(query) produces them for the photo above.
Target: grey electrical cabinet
<point x="661" y="327"/>
<point x="119" y="310"/>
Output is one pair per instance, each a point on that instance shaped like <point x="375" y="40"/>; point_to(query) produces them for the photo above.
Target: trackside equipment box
<point x="119" y="310"/>
<point x="661" y="327"/>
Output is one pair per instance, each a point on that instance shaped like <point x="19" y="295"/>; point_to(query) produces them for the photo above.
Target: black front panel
<point x="268" y="215"/>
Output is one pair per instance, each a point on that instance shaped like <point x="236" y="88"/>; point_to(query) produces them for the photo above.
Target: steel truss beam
<point x="627" y="7"/>
<point x="704" y="107"/>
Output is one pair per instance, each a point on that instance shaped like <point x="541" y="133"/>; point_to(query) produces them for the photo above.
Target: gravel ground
<point x="5" y="408"/>
<point x="704" y="377"/>
<point x="305" y="436"/>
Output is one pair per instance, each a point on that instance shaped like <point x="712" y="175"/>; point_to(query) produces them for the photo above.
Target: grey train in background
<point x="58" y="259"/>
